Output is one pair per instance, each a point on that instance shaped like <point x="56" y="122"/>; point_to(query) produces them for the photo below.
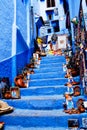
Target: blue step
<point x="51" y="65"/>
<point x="33" y="128"/>
<point x="46" y="75"/>
<point x="40" y="118"/>
<point x="47" y="82"/>
<point x="49" y="69"/>
<point x="42" y="102"/>
<point x="41" y="90"/>
<point x="52" y="59"/>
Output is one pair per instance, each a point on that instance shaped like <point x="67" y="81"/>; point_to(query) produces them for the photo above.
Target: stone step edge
<point x="52" y="62"/>
<point x="46" y="73"/>
<point x="42" y="113"/>
<point x="38" y="72"/>
<point x="32" y="80"/>
<point x="38" y="97"/>
<point x="37" y="87"/>
<point x="18" y="127"/>
<point x="47" y="67"/>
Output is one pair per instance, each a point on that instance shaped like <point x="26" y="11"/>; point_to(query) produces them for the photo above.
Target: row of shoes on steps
<point x="73" y="89"/>
<point x="4" y="107"/>
<point x="22" y="79"/>
<point x="4" y="86"/>
<point x="19" y="80"/>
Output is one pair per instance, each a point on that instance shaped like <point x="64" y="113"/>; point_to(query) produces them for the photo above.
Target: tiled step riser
<point x="41" y="104"/>
<point x="33" y="128"/>
<point x="50" y="75"/>
<point x="45" y="121"/>
<point x="55" y="64"/>
<point x="43" y="91"/>
<point x="49" y="70"/>
<point x="46" y="75"/>
<point x="52" y="59"/>
<point x="48" y="82"/>
<point x="52" y="65"/>
<point x="58" y="61"/>
<point x="47" y="104"/>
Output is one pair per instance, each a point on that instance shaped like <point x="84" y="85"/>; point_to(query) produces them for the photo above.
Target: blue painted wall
<point x="21" y="45"/>
<point x="10" y="66"/>
<point x="74" y="11"/>
<point x="21" y="60"/>
<point x="74" y="7"/>
<point x="6" y="20"/>
<point x="6" y="68"/>
<point x="21" y="22"/>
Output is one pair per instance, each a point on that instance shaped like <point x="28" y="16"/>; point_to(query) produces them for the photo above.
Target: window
<point x="55" y="25"/>
<point x="50" y="3"/>
<point x="49" y="14"/>
<point x="56" y="29"/>
<point x="49" y="30"/>
<point x="49" y="17"/>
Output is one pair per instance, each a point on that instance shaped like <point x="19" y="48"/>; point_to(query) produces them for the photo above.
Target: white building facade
<point x="53" y="15"/>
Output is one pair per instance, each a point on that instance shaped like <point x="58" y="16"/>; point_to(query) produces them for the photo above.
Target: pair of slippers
<point x="5" y="108"/>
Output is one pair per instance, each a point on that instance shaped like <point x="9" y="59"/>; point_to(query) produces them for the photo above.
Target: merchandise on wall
<point x="80" y="45"/>
<point x="62" y="41"/>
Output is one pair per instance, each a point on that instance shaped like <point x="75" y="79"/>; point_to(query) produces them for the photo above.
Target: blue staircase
<point x="41" y="104"/>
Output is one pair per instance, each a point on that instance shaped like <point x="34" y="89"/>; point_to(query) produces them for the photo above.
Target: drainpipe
<point x="72" y="30"/>
<point x="28" y="11"/>
<point x="28" y="24"/>
<point x="14" y="37"/>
